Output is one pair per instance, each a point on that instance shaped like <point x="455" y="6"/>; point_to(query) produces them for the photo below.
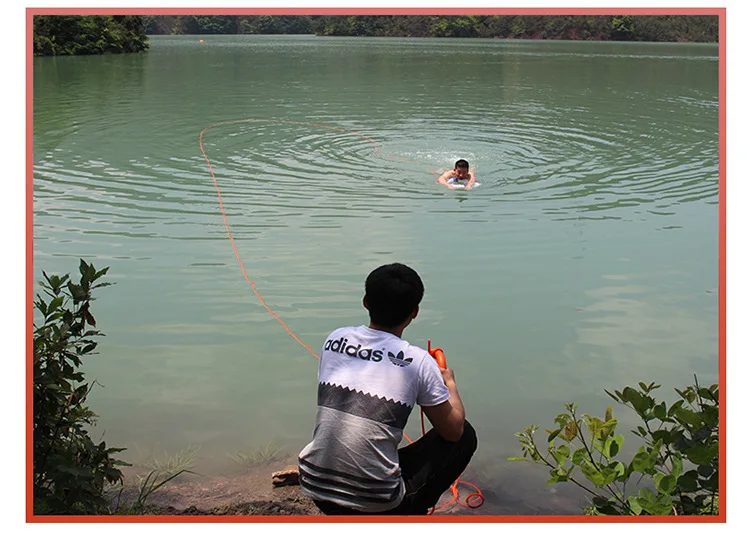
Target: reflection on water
<point x="587" y="259"/>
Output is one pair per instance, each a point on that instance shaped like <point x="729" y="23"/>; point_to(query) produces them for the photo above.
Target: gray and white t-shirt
<point x="368" y="383"/>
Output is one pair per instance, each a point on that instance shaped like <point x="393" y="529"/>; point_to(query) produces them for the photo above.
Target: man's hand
<point x="448" y="376"/>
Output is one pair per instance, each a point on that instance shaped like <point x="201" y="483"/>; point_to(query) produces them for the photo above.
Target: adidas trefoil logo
<point x="398" y="359"/>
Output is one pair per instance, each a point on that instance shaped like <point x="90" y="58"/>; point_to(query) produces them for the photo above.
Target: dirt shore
<point x="251" y="493"/>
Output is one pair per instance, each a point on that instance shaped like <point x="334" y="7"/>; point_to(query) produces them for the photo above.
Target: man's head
<point x="462" y="167"/>
<point x="392" y="294"/>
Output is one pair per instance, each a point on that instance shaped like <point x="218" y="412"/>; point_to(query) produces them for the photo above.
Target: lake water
<point x="587" y="260"/>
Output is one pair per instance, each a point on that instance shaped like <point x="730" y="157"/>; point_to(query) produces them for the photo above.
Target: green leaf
<point x="705" y="470"/>
<point x="711" y="416"/>
<point x="626" y="475"/>
<point x="662" y="506"/>
<point x="579" y="456"/>
<point x="101" y="273"/>
<point x="639" y="402"/>
<point x="688" y="482"/>
<point x="562" y="454"/>
<point x="76" y="292"/>
<point x="674" y="407"/>
<point x="660" y="411"/>
<point x="89" y="318"/>
<point x="665" y="436"/>
<point x="562" y="419"/>
<point x="516" y="459"/>
<point x="645" y="495"/>
<point x="599" y="446"/>
<point x="615" y="445"/>
<point x="686" y="394"/>
<point x="556" y="476"/>
<point x="606" y="506"/>
<point x="553" y="434"/>
<point x="666" y="484"/>
<point x="653" y="504"/>
<point x="607" y="428"/>
<point x="54" y="304"/>
<point x="643" y="461"/>
<point x="610" y="475"/>
<point x="676" y="465"/>
<point x="635" y="507"/>
<point x="592" y="474"/>
<point x="594" y="424"/>
<point x="688" y="418"/>
<point x="712" y="484"/>
<point x="618" y="468"/>
<point x="703" y="455"/>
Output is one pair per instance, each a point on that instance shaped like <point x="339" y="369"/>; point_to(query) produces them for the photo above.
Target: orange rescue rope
<point x="473" y="500"/>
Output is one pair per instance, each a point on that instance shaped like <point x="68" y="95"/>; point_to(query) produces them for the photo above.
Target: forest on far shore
<point x="56" y="35"/>
<point x="658" y="28"/>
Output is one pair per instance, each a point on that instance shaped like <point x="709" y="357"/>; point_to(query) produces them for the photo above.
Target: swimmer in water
<point x="459" y="174"/>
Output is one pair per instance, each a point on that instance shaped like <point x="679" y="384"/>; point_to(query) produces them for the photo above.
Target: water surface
<point x="586" y="260"/>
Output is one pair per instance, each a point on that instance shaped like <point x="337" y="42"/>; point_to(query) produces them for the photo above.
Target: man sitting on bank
<point x="369" y="379"/>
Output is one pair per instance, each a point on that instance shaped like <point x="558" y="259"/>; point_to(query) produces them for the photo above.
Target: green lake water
<point x="586" y="260"/>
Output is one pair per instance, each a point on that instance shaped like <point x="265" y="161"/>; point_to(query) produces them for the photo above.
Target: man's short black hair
<point x="462" y="163"/>
<point x="393" y="292"/>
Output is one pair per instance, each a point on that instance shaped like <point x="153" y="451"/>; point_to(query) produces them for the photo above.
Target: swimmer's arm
<point x="444" y="178"/>
<point x="472" y="178"/>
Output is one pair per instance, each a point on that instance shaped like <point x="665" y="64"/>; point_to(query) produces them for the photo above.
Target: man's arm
<point x="444" y="178"/>
<point x="448" y="417"/>
<point x="472" y="178"/>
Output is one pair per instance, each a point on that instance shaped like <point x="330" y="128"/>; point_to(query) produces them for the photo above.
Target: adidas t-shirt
<point x="368" y="383"/>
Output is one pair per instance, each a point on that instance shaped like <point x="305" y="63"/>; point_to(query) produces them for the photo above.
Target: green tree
<point x="70" y="469"/>
<point x="519" y="27"/>
<point x="622" y="28"/>
<point x="679" y="458"/>
<point x="599" y="27"/>
<point x="71" y="35"/>
<point x="454" y="27"/>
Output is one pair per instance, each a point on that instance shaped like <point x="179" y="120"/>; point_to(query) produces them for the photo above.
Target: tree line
<point x="77" y="34"/>
<point x="60" y="35"/>
<point x="674" y="28"/>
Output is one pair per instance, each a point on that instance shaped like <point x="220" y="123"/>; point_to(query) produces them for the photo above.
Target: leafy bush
<point x="70" y="469"/>
<point x="679" y="459"/>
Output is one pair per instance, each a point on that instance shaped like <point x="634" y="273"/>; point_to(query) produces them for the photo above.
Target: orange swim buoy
<point x="438" y="354"/>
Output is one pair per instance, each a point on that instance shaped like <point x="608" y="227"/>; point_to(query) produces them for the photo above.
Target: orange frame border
<point x="31" y="12"/>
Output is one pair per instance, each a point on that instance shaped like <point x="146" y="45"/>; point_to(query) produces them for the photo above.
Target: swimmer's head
<point x="462" y="168"/>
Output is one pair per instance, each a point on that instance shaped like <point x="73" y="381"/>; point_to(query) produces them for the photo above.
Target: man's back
<point x="368" y="383"/>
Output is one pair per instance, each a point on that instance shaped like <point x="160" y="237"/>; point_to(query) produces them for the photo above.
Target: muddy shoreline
<point x="251" y="493"/>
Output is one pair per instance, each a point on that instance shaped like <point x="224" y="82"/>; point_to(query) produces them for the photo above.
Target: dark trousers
<point x="428" y="466"/>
